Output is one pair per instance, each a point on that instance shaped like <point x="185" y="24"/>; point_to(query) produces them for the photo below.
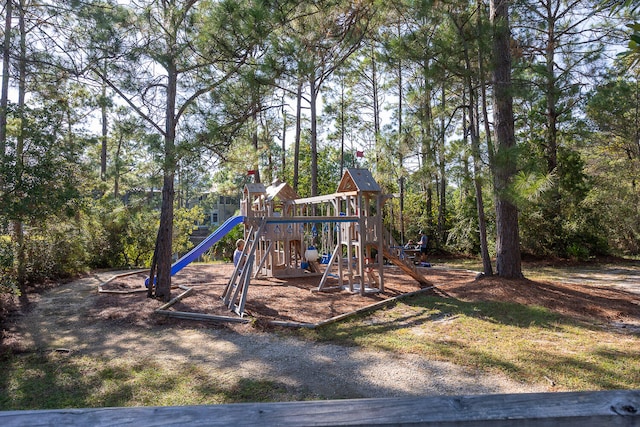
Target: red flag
<point x="251" y="172"/>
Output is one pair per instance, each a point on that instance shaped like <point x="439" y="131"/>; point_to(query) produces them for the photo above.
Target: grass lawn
<point x="529" y="344"/>
<point x="50" y="381"/>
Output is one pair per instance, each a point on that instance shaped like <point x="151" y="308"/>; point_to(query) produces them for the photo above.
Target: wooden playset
<point x="339" y="235"/>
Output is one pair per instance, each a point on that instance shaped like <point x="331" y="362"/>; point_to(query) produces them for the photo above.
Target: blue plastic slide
<point x="211" y="240"/>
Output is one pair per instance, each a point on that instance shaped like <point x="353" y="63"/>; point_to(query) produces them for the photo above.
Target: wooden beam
<point x="574" y="409"/>
<point x="309" y="219"/>
<point x="201" y="316"/>
<point x="117" y="276"/>
<point x="323" y="198"/>
<point x="187" y="292"/>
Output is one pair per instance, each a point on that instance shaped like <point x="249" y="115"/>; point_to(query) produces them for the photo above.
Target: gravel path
<point x="626" y="277"/>
<point x="322" y="370"/>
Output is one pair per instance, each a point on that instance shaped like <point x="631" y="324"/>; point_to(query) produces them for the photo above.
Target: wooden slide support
<point x="408" y="269"/>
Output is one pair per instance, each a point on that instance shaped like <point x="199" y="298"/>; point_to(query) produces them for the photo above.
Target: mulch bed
<point x="295" y="300"/>
<point x="284" y="300"/>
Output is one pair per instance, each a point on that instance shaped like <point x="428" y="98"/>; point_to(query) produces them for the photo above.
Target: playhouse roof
<point x="358" y="180"/>
<point x="255" y="188"/>
<point x="281" y="190"/>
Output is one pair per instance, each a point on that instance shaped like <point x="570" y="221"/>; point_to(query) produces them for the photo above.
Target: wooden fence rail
<point x="583" y="409"/>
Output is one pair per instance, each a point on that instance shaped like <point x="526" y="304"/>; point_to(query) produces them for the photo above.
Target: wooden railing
<point x="583" y="409"/>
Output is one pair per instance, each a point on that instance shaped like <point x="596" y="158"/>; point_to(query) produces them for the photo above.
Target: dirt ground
<point x="296" y="300"/>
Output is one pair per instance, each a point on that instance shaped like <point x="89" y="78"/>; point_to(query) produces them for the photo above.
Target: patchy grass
<point x="528" y="344"/>
<point x="51" y="380"/>
<point x="463" y="263"/>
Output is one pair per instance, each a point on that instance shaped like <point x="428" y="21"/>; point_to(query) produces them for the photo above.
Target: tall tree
<point x="558" y="47"/>
<point x="415" y="43"/>
<point x="4" y="91"/>
<point x="172" y="57"/>
<point x="39" y="169"/>
<point x="333" y="31"/>
<point x="28" y="147"/>
<point x="17" y="223"/>
<point x="341" y="107"/>
<point x="508" y="262"/>
<point x="613" y="158"/>
<point x="471" y="77"/>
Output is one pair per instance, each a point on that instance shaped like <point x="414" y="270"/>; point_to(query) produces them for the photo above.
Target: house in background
<point x="217" y="209"/>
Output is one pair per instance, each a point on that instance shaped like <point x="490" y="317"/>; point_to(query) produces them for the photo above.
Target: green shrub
<point x="139" y="236"/>
<point x="578" y="251"/>
<point x="223" y="249"/>
<point x="8" y="285"/>
<point x="103" y="234"/>
<point x="184" y="221"/>
<point x="6" y="254"/>
<point x="57" y="251"/>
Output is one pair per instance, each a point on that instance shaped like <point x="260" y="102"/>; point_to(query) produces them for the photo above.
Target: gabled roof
<point x="281" y="190"/>
<point x="255" y="188"/>
<point x="358" y="180"/>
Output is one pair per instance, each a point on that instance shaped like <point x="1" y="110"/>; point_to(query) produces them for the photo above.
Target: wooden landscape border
<point x="570" y="409"/>
<point x="117" y="276"/>
<point x="216" y="318"/>
<point x="343" y="316"/>
<point x="164" y="309"/>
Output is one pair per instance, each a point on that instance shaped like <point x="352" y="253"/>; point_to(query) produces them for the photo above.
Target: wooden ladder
<point x="238" y="285"/>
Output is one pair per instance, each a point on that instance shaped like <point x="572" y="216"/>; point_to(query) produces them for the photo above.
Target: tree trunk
<point x="103" y="150"/>
<point x="551" y="94"/>
<point x="342" y="125"/>
<point x="442" y="196"/>
<point x="474" y="128"/>
<point x="17" y="225"/>
<point x="375" y="104"/>
<point x="165" y="231"/>
<point x="296" y="148"/>
<point x="270" y="169"/>
<point x="116" y="168"/>
<point x="401" y="150"/>
<point x="552" y="209"/>
<point x="508" y="263"/>
<point x="255" y="142"/>
<point x="4" y="97"/>
<point x="165" y="237"/>
<point x="314" y="136"/>
<point x="283" y="154"/>
<point x="426" y="149"/>
<point x="483" y="92"/>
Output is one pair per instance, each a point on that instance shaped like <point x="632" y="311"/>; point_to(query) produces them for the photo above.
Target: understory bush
<point x="223" y="249"/>
<point x="104" y="234"/>
<point x="8" y="285"/>
<point x="125" y="235"/>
